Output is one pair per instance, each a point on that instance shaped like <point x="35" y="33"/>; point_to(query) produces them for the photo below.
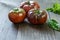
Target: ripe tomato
<point x="37" y="17"/>
<point x="27" y="5"/>
<point x="17" y="15"/>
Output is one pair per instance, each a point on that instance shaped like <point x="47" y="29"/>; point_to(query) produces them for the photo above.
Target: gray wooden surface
<point x="25" y="31"/>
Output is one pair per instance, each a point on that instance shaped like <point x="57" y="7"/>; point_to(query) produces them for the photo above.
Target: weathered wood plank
<point x="8" y="31"/>
<point x="34" y="32"/>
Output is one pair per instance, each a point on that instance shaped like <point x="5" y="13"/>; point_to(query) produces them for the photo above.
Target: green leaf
<point x="55" y="8"/>
<point x="49" y="9"/>
<point x="54" y="24"/>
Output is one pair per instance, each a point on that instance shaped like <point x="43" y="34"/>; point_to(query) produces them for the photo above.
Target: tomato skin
<point x="43" y="20"/>
<point x="17" y="17"/>
<point x="37" y="18"/>
<point x="27" y="6"/>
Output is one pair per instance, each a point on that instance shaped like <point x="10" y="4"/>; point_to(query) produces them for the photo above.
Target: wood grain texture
<point x="34" y="32"/>
<point x="8" y="30"/>
<point x="25" y="31"/>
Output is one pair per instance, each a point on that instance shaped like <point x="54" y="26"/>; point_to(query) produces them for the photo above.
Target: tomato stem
<point x="37" y="11"/>
<point x="16" y="9"/>
<point x="28" y="2"/>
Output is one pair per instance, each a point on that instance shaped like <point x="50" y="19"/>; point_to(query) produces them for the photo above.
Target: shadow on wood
<point x="42" y="27"/>
<point x="16" y="26"/>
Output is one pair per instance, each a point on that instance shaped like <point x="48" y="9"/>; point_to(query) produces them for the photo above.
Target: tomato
<point x="37" y="17"/>
<point x="17" y="15"/>
<point x="27" y="5"/>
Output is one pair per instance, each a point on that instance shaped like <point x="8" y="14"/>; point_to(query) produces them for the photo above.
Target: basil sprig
<point x="55" y="9"/>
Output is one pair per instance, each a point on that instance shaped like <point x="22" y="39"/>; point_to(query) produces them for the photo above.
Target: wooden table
<point x="24" y="31"/>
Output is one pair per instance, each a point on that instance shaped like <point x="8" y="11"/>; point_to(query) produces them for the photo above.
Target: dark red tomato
<point x="37" y="17"/>
<point x="27" y="5"/>
<point x="17" y="15"/>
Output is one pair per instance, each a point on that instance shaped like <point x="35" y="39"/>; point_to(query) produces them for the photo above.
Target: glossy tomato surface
<point x="36" y="16"/>
<point x="17" y="15"/>
<point x="27" y="5"/>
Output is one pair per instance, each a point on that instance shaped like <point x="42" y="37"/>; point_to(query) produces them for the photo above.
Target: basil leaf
<point x="54" y="24"/>
<point x="55" y="8"/>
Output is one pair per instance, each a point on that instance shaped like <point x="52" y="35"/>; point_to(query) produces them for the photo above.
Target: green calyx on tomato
<point x="28" y="2"/>
<point x="15" y="9"/>
<point x="20" y="10"/>
<point x="37" y="11"/>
